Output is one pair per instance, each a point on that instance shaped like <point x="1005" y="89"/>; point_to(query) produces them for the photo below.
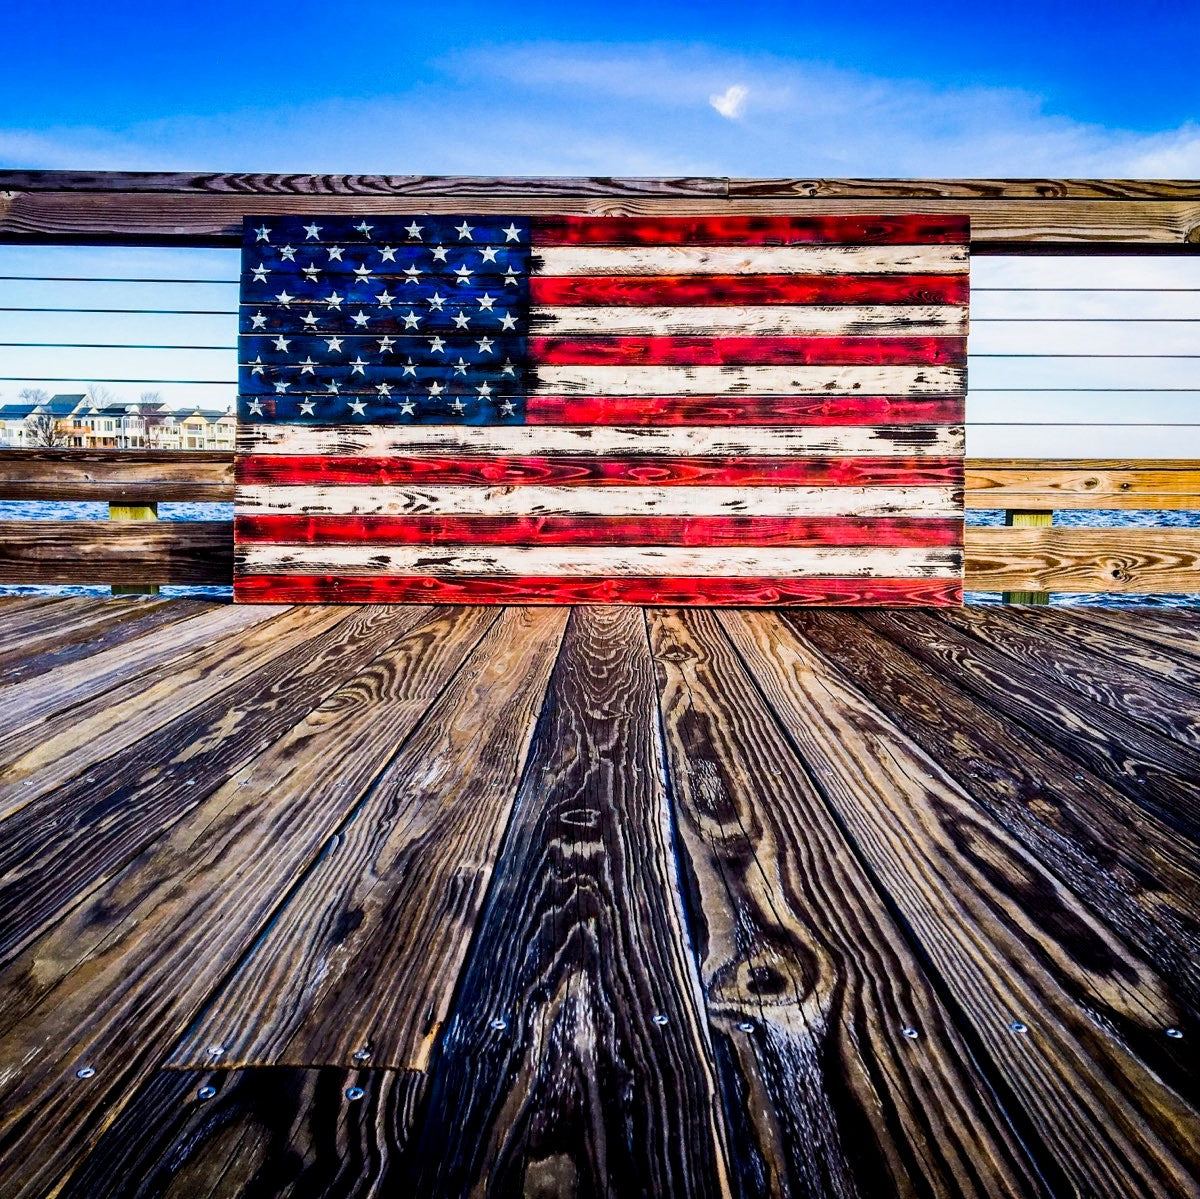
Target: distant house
<point x="200" y="429"/>
<point x="14" y="432"/>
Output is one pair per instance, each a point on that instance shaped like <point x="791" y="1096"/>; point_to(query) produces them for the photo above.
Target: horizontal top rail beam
<point x="1011" y="216"/>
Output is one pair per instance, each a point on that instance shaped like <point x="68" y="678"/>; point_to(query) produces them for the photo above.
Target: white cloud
<point x="731" y="102"/>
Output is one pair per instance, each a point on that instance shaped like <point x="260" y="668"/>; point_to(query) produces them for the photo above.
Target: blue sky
<point x="751" y="88"/>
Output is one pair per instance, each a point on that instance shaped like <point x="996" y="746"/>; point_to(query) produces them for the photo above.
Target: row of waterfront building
<point x="78" y="422"/>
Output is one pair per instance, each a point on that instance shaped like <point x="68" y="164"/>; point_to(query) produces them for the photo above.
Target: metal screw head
<point x="1176" y="1034"/>
<point x="1019" y="1026"/>
<point x="216" y="1050"/>
<point x="353" y="1093"/>
<point x="498" y="1023"/>
<point x="909" y="1032"/>
<point x="361" y="1055"/>
<point x="745" y="1026"/>
<point x="1079" y="778"/>
<point x="85" y="1072"/>
<point x="206" y="1092"/>
<point x="659" y="1018"/>
<point x="190" y="783"/>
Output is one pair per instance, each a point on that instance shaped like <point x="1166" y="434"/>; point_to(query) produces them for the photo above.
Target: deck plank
<point x="1158" y="774"/>
<point x="361" y="959"/>
<point x="135" y="794"/>
<point x="581" y="945"/>
<point x="809" y="982"/>
<point x="1135" y="872"/>
<point x="116" y="982"/>
<point x="1155" y="702"/>
<point x="1106" y="1101"/>
<point x="280" y="1132"/>
<point x="1177" y="632"/>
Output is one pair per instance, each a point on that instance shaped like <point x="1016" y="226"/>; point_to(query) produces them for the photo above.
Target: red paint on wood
<point x="657" y="470"/>
<point x="748" y="230"/>
<point x="748" y="351"/>
<point x="495" y="589"/>
<point x="732" y="290"/>
<point x="599" y="530"/>
<point x="658" y="411"/>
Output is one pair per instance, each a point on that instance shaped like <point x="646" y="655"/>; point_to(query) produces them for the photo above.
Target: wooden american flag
<point x="566" y="409"/>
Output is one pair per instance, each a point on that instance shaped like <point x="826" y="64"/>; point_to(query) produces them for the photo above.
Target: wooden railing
<point x="1028" y="558"/>
<point x="1037" y="558"/>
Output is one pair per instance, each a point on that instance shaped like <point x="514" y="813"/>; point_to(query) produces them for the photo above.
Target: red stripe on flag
<point x="474" y="589"/>
<point x="733" y="290"/>
<point x="742" y="410"/>
<point x="748" y="230"/>
<point x="731" y="351"/>
<point x="657" y="470"/>
<point x="599" y="530"/>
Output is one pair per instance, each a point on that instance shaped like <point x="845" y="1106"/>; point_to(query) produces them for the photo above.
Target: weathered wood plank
<point x="1135" y="872"/>
<point x="1177" y="631"/>
<point x="809" y="984"/>
<point x="278" y="1132"/>
<point x="1153" y="701"/>
<point x="577" y="1061"/>
<point x="99" y="551"/>
<point x="211" y="217"/>
<point x="122" y="976"/>
<point x="1030" y="485"/>
<point x="116" y="476"/>
<point x="1156" y="773"/>
<point x="22" y="704"/>
<point x="1105" y="1101"/>
<point x="63" y="626"/>
<point x="1081" y="559"/>
<point x="153" y="776"/>
<point x="361" y="959"/>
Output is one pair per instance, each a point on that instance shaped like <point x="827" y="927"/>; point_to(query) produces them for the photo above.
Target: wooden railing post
<point x="133" y="512"/>
<point x="1018" y="518"/>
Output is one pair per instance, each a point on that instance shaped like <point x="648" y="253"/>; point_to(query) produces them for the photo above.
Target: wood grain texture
<point x="100" y="551"/>
<point x="1081" y="559"/>
<point x="436" y="813"/>
<point x="1029" y="485"/>
<point x="1137" y="873"/>
<point x="122" y="976"/>
<point x="271" y="1134"/>
<point x="808" y="981"/>
<point x="1092" y="1013"/>
<point x="117" y="476"/>
<point x="600" y="1082"/>
<point x="1158" y="774"/>
<point x="1143" y="625"/>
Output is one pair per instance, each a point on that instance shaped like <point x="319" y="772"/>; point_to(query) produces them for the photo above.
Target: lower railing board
<point x="1013" y="483"/>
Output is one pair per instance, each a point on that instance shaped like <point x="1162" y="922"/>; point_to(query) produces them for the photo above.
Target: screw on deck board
<point x="909" y="1032"/>
<point x="361" y="1055"/>
<point x="353" y="1093"/>
<point x="206" y="1092"/>
<point x="745" y="1026"/>
<point x="1176" y="1034"/>
<point x="1019" y="1026"/>
<point x="659" y="1018"/>
<point x="216" y="1050"/>
<point x="498" y="1024"/>
<point x="85" y="1072"/>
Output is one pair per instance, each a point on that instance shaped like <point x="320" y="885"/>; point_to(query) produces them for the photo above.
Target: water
<point x="53" y="510"/>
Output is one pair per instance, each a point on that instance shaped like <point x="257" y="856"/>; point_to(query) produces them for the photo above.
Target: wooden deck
<point x="438" y="902"/>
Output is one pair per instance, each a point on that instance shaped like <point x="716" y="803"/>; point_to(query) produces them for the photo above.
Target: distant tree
<point x="33" y="395"/>
<point x="99" y="395"/>
<point x="151" y="399"/>
<point x="43" y="432"/>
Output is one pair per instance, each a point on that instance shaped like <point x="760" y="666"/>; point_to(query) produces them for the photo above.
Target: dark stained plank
<point x="268" y="1133"/>
<point x="1152" y="700"/>
<point x="1157" y="773"/>
<point x="32" y="619"/>
<point x="116" y="982"/>
<point x="117" y="476"/>
<point x="123" y="621"/>
<point x="65" y="626"/>
<point x="1105" y="1100"/>
<point x="577" y="1061"/>
<point x="43" y="754"/>
<point x="136" y="793"/>
<point x="103" y="551"/>
<point x="365" y="957"/>
<point x="1177" y="631"/>
<point x="1101" y="644"/>
<point x="1134" y="871"/>
<point x="21" y="704"/>
<point x="808" y="981"/>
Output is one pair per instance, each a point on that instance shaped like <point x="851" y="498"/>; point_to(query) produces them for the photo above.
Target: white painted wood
<point x="761" y="320"/>
<point x="751" y="380"/>
<point x="831" y="562"/>
<point x="534" y="500"/>
<point x="772" y="441"/>
<point x="746" y="260"/>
